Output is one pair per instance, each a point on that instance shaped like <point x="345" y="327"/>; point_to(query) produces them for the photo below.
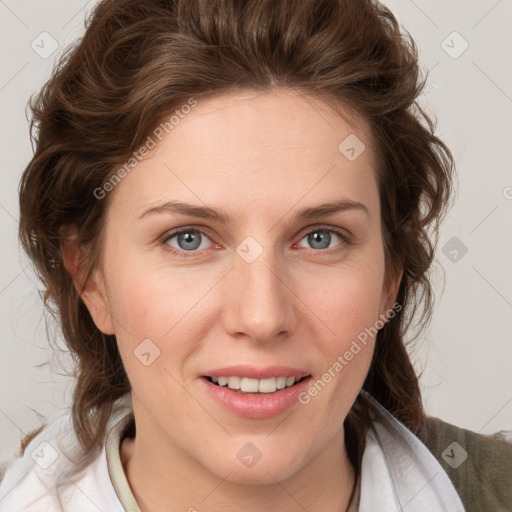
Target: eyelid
<point x="345" y="236"/>
<point x="342" y="232"/>
<point x="176" y="231"/>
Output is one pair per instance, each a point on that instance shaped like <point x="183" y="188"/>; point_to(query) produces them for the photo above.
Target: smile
<point x="248" y="385"/>
<point x="253" y="398"/>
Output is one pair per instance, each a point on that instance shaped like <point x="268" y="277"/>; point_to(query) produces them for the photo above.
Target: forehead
<point x="256" y="149"/>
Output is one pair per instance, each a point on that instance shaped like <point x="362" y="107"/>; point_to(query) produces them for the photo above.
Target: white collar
<point x="399" y="473"/>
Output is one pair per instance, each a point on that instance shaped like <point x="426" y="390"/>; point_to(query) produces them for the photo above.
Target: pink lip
<point x="253" y="372"/>
<point x="252" y="405"/>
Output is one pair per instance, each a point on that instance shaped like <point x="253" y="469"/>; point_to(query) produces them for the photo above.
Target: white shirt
<point x="398" y="472"/>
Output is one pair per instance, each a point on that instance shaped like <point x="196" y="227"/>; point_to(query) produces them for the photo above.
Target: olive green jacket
<point x="479" y="466"/>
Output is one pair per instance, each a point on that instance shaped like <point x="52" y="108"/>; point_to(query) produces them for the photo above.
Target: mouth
<point x="256" y="392"/>
<point x="250" y="386"/>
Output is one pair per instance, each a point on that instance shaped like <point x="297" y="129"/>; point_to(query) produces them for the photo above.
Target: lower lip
<point x="256" y="406"/>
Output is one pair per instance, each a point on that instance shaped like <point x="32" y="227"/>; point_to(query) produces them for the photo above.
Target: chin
<point x="261" y="470"/>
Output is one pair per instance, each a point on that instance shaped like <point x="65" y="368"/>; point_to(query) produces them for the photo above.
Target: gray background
<point x="465" y="355"/>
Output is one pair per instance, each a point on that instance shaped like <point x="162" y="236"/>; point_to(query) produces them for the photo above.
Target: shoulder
<point x="479" y="466"/>
<point x="40" y="477"/>
<point x="56" y="475"/>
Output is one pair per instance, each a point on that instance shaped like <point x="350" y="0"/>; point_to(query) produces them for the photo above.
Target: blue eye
<point x="188" y="242"/>
<point x="321" y="238"/>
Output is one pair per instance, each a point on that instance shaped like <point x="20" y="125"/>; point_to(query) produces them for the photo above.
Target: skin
<point x="260" y="157"/>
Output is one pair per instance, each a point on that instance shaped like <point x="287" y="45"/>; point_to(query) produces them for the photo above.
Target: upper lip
<point x="254" y="372"/>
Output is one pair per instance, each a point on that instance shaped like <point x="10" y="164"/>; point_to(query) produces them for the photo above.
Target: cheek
<point x="150" y="300"/>
<point x="347" y="299"/>
<point x="351" y="315"/>
<point x="350" y="310"/>
<point x="347" y="302"/>
<point x="156" y="303"/>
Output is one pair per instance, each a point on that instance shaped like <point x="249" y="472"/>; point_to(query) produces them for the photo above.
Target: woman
<point x="233" y="207"/>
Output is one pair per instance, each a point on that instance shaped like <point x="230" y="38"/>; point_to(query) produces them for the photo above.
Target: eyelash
<point x="346" y="238"/>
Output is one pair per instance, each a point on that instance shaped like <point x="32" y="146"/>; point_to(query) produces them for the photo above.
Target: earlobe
<point x="93" y="291"/>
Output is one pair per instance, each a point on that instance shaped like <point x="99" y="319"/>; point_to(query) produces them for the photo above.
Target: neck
<point x="164" y="477"/>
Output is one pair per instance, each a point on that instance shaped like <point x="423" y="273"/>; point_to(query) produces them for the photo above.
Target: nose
<point x="259" y="302"/>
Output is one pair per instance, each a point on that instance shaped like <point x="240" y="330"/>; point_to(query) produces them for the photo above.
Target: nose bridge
<point x="261" y="305"/>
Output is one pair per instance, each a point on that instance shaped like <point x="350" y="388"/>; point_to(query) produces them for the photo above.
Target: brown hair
<point x="140" y="59"/>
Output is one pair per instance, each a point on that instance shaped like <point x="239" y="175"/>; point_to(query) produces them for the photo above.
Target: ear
<point x="390" y="290"/>
<point x="93" y="291"/>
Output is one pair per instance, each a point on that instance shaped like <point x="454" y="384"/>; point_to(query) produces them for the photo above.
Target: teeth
<point x="281" y="382"/>
<point x="246" y="385"/>
<point x="267" y="385"/>
<point x="249" y="385"/>
<point x="234" y="382"/>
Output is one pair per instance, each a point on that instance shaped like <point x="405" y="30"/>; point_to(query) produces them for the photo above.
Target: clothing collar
<point x="398" y="472"/>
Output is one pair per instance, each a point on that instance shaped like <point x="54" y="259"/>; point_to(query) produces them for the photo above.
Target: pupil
<point x="317" y="236"/>
<point x="188" y="238"/>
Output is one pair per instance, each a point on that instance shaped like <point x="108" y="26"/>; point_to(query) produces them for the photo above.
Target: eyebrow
<point x="220" y="216"/>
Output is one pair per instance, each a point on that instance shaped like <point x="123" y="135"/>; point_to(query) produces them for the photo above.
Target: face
<point x="253" y="280"/>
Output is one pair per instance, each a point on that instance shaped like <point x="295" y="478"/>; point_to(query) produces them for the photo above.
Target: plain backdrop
<point x="465" y="355"/>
